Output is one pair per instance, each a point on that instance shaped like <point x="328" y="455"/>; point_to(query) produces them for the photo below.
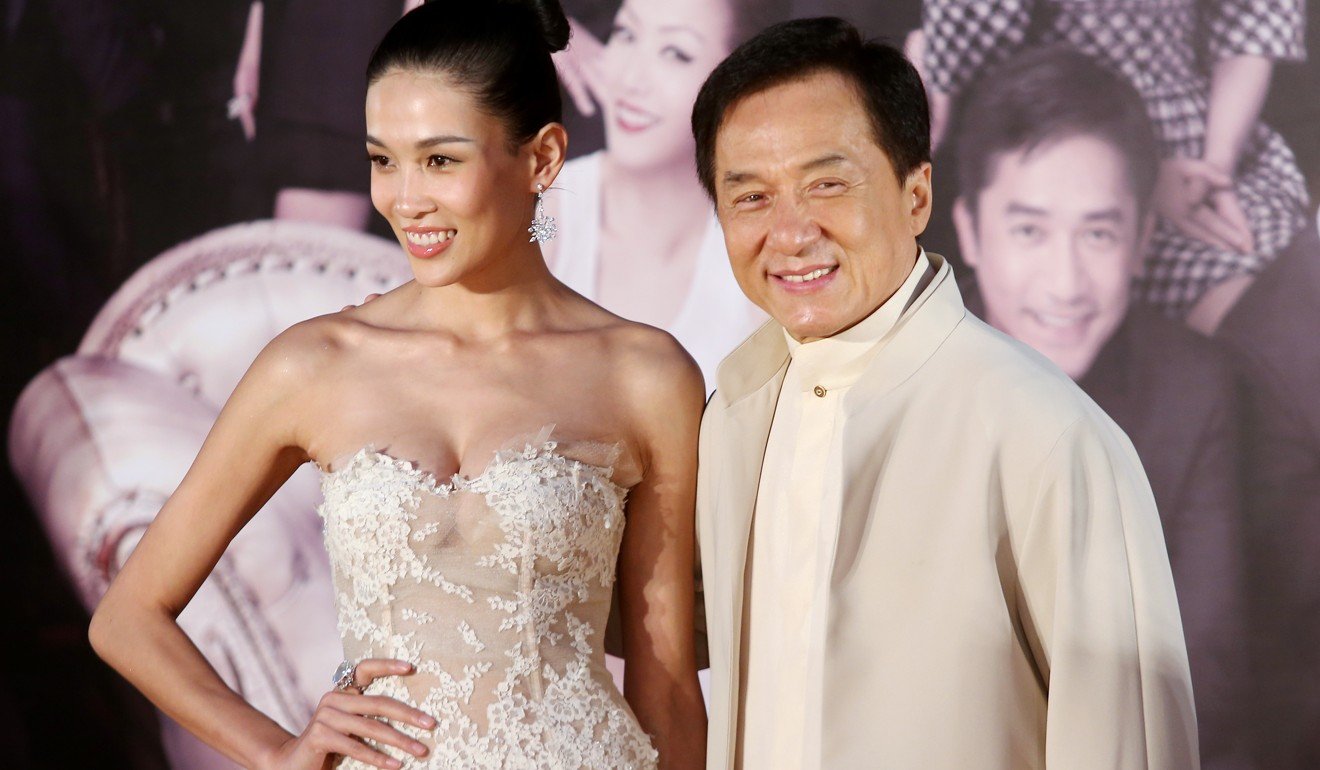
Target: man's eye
<point x="1026" y="232"/>
<point x="749" y="198"/>
<point x="1102" y="238"/>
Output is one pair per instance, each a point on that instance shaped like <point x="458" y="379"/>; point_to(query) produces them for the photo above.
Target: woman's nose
<point x="412" y="200"/>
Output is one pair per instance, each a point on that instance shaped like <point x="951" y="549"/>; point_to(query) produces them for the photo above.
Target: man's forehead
<point x="1071" y="174"/>
<point x="793" y="124"/>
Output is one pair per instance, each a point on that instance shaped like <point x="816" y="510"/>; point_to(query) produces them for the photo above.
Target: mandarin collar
<point x="839" y="360"/>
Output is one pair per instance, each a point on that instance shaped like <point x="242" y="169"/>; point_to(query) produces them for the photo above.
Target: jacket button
<point x="819" y="391"/>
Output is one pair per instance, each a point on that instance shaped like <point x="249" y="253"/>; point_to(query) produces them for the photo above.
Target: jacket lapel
<point x="925" y="326"/>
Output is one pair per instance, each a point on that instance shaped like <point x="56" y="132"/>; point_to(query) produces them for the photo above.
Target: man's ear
<point x="918" y="187"/>
<point x="549" y="150"/>
<point x="964" y="222"/>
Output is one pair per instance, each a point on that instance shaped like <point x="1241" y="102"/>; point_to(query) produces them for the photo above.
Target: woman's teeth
<point x="430" y="239"/>
<point x="813" y="275"/>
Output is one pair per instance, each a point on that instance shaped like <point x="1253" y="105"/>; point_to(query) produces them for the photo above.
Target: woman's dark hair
<point x="889" y="86"/>
<point x="499" y="50"/>
<point x="1045" y="95"/>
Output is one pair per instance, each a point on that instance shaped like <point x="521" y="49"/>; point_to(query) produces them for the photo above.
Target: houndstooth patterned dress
<point x="1165" y="48"/>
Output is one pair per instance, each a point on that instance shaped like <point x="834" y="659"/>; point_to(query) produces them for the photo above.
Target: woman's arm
<point x="256" y="444"/>
<point x="1197" y="195"/>
<point x="1238" y="87"/>
<point x="657" y="559"/>
<point x="247" y="75"/>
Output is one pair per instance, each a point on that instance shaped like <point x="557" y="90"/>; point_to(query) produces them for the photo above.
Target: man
<point x="1271" y="333"/>
<point x="922" y="545"/>
<point x="1056" y="164"/>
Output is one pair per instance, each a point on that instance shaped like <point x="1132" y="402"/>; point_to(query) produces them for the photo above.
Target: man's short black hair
<point x="1045" y="95"/>
<point x="888" y="84"/>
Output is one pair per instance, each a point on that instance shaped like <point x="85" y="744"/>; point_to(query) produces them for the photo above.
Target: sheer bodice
<point x="497" y="588"/>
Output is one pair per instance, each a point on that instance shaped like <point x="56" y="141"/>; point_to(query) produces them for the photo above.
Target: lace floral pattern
<point x="497" y="588"/>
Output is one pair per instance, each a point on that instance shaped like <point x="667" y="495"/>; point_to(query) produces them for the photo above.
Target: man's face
<point x="1056" y="238"/>
<point x="819" y="229"/>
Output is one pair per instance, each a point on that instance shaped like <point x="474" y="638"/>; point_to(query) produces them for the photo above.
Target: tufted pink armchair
<point x="101" y="438"/>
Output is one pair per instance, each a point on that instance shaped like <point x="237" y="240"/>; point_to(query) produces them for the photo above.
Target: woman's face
<point x="657" y="57"/>
<point x="442" y="175"/>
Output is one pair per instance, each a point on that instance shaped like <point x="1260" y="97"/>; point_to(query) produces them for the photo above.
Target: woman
<point x="637" y="233"/>
<point x="1230" y="194"/>
<point x="480" y="429"/>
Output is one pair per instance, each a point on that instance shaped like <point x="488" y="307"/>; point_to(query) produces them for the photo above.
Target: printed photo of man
<point x="1057" y="163"/>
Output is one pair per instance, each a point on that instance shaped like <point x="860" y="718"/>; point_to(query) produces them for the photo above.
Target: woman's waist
<point x="492" y="629"/>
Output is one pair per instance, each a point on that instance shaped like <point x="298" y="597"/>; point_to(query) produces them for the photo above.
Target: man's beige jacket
<point x="999" y="596"/>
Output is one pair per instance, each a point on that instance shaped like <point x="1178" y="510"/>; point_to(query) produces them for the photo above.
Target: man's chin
<point x="1074" y="362"/>
<point x="811" y="330"/>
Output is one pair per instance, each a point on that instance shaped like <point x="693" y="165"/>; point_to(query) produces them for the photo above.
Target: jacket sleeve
<point x="1099" y="611"/>
<point x="1205" y="538"/>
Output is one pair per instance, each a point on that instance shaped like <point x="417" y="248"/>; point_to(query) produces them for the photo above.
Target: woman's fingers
<point x="1193" y="228"/>
<point x="1228" y="205"/>
<point x="377" y="706"/>
<point x="365" y="727"/>
<point x="249" y="123"/>
<point x="1223" y="231"/>
<point x="369" y="670"/>
<point x="578" y="67"/>
<point x="328" y="740"/>
<point x="574" y="80"/>
<point x="1212" y="174"/>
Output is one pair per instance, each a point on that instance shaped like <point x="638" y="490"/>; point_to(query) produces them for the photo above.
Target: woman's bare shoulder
<point x="311" y="349"/>
<point x="653" y="367"/>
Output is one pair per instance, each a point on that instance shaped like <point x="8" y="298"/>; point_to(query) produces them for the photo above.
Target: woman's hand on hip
<point x="345" y="719"/>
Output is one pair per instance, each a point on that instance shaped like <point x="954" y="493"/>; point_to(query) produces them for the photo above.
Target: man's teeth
<point x="1058" y="321"/>
<point x="430" y="239"/>
<point x="813" y="275"/>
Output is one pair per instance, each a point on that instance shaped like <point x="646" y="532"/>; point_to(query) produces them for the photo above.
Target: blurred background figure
<point x="1057" y="166"/>
<point x="298" y="91"/>
<point x="1271" y="332"/>
<point x="1230" y="195"/>
<point x="636" y="232"/>
<point x="69" y="73"/>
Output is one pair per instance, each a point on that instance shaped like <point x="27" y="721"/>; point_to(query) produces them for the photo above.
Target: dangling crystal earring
<point x="543" y="227"/>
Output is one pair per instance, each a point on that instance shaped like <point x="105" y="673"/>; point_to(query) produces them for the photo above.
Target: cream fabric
<point x="797" y="511"/>
<point x="999" y="596"/>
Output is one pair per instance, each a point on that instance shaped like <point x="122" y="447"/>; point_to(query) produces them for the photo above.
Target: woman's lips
<point x="633" y="119"/>
<point x="425" y="243"/>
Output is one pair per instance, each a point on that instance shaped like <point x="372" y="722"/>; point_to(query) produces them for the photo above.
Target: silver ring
<point x="238" y="105"/>
<point x="345" y="676"/>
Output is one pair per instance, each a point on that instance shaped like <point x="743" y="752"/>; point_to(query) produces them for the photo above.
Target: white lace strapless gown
<point x="497" y="588"/>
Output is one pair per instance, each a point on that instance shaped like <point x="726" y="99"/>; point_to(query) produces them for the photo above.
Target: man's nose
<point x="792" y="228"/>
<point x="1066" y="276"/>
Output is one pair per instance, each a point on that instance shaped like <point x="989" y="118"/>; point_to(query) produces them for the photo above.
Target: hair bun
<point x="552" y="21"/>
